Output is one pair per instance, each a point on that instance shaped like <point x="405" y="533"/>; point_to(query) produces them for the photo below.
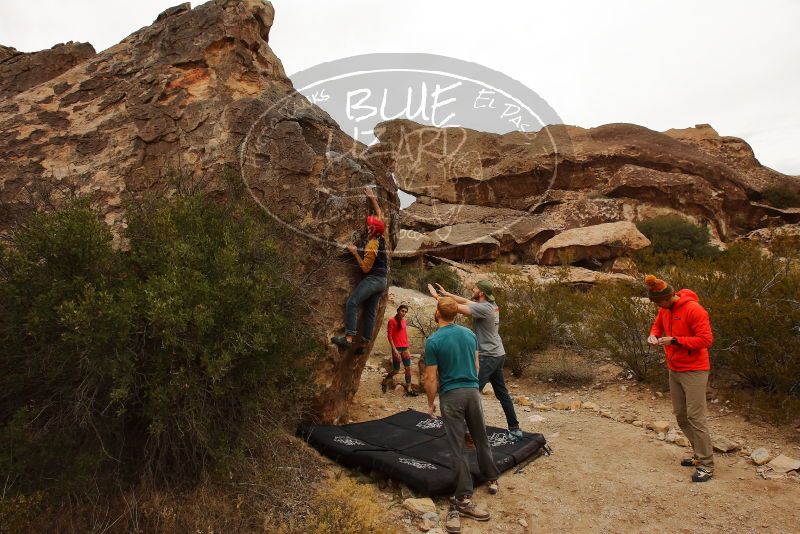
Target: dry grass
<point x="563" y="368"/>
<point x="269" y="487"/>
<point x="342" y="506"/>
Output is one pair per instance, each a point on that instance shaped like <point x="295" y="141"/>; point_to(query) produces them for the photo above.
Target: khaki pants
<point x="688" y="391"/>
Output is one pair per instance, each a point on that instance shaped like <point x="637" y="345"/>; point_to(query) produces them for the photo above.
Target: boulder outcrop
<point x="199" y="94"/>
<point x="566" y="177"/>
<point x="599" y="243"/>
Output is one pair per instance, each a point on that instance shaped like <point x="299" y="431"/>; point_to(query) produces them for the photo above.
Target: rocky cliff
<point x="483" y="195"/>
<point x="199" y="93"/>
<point x="20" y="71"/>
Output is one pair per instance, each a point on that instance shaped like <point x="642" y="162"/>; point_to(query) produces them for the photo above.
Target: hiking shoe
<point x="690" y="462"/>
<point x="493" y="487"/>
<point x="515" y="434"/>
<point x="701" y="474"/>
<point x="341" y="341"/>
<point x="453" y="522"/>
<point x="467" y="508"/>
<point x="468" y="441"/>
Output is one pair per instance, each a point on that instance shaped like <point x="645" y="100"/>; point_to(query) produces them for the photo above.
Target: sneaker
<point x="702" y="474"/>
<point x="493" y="487"/>
<point x="453" y="522"/>
<point x="341" y="341"/>
<point x="690" y="462"/>
<point x="515" y="434"/>
<point x="468" y="441"/>
<point x="467" y="508"/>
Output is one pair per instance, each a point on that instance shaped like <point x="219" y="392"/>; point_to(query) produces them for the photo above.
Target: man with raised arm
<point x="486" y="324"/>
<point x="451" y="360"/>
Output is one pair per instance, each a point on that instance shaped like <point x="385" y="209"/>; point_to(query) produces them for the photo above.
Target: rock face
<point x="20" y="71"/>
<point x="600" y="242"/>
<point x="518" y="190"/>
<point x="200" y="94"/>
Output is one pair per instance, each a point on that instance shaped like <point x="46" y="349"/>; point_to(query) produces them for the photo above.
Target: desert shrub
<point x="343" y="506"/>
<point x="753" y="300"/>
<point x="405" y="275"/>
<point x="443" y="275"/>
<point x="618" y="321"/>
<point x="419" y="277"/>
<point x="17" y="511"/>
<point x="534" y="316"/>
<point x="149" y="361"/>
<point x="673" y="238"/>
<point x="563" y="368"/>
<point x="781" y="196"/>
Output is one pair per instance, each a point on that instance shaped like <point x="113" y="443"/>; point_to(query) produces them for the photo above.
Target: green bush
<point x="673" y="239"/>
<point x="534" y="316"/>
<point x="148" y="361"/>
<point x="781" y="196"/>
<point x="617" y="324"/>
<point x="419" y="277"/>
<point x="753" y="300"/>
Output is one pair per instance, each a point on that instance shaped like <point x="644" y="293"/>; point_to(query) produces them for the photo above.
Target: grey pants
<point x="688" y="391"/>
<point x="461" y="406"/>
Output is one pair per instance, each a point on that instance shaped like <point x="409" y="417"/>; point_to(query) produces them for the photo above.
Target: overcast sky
<point x="661" y="64"/>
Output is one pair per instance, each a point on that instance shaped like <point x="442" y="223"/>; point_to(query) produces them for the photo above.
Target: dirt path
<point x="609" y="476"/>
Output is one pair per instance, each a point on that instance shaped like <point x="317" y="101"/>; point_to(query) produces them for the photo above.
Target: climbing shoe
<point x="341" y="341"/>
<point x="701" y="474"/>
<point x="690" y="462"/>
<point x="515" y="434"/>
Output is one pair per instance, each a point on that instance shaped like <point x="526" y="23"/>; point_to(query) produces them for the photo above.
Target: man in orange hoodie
<point x="683" y="329"/>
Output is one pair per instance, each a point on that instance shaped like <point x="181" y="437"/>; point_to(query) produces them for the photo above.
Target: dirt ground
<point x="610" y="476"/>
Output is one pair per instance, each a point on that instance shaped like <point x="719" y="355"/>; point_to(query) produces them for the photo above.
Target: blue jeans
<point x="491" y="371"/>
<point x="368" y="292"/>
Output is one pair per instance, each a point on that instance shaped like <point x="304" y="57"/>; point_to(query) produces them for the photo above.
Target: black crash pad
<point x="411" y="448"/>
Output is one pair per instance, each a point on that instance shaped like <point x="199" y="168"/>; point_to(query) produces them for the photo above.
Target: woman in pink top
<point x="398" y="341"/>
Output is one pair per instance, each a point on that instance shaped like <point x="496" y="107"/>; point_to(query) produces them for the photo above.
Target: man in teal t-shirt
<point x="451" y="356"/>
<point x="459" y="370"/>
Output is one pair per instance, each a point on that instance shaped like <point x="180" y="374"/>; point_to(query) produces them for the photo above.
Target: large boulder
<point x="599" y="243"/>
<point x="201" y="95"/>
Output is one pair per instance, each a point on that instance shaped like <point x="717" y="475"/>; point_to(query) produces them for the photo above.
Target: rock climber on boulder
<point x="375" y="265"/>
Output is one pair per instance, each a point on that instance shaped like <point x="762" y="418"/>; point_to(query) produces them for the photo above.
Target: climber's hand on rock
<point x="352" y="248"/>
<point x="369" y="192"/>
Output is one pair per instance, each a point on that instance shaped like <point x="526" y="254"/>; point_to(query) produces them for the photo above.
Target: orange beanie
<point x="657" y="288"/>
